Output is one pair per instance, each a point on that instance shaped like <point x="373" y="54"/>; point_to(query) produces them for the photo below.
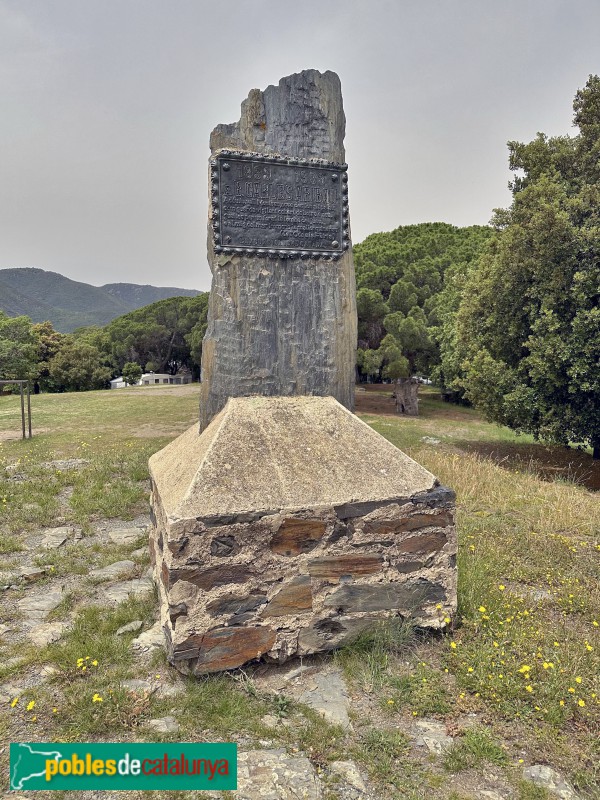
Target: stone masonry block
<point x="288" y="527"/>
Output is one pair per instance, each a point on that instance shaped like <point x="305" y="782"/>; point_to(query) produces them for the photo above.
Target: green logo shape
<point x="120" y="765"/>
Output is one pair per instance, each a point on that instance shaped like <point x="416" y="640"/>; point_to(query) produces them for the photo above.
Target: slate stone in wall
<point x="294" y="598"/>
<point x="409" y="523"/>
<point x="235" y="604"/>
<point x="227" y="648"/>
<point x="330" y="633"/>
<point x="281" y="326"/>
<point x="335" y="567"/>
<point x="208" y="578"/>
<point x="297" y="536"/>
<point x="423" y="543"/>
<point x="385" y="597"/>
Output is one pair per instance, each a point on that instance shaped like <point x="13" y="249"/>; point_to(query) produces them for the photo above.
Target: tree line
<point x="165" y="336"/>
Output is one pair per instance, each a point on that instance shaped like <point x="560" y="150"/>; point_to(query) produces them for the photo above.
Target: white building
<point x="157" y="378"/>
<point x="118" y="383"/>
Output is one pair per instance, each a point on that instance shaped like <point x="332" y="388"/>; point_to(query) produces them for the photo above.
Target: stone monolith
<point x="281" y="325"/>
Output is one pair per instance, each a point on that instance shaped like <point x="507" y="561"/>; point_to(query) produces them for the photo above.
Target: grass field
<point x="516" y="680"/>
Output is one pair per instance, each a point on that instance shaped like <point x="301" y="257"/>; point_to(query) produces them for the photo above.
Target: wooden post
<point x="29" y="408"/>
<point x="22" y="408"/>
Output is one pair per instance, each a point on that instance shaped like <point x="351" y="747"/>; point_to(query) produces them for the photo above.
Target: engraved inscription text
<point x="281" y="206"/>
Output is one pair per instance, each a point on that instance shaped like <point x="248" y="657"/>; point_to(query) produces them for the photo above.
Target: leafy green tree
<point x="49" y="344"/>
<point x="371" y="309"/>
<point x="163" y="333"/>
<point x="78" y="367"/>
<point x="405" y="350"/>
<point x="403" y="272"/>
<point x="528" y="325"/>
<point x="18" y="348"/>
<point x="132" y="373"/>
<point x="369" y="362"/>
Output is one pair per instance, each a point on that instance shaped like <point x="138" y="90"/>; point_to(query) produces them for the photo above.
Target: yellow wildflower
<point x="453" y="645"/>
<point x="30" y="705"/>
<point x="96" y="698"/>
<point x="14" y="702"/>
<point x="481" y="609"/>
<point x="571" y="690"/>
<point x="502" y="587"/>
<point x="581" y="703"/>
<point x="529" y="688"/>
<point x="578" y="679"/>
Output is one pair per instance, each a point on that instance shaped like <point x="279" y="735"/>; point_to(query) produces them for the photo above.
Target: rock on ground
<point x="433" y="736"/>
<point x="119" y="592"/>
<point x="131" y="627"/>
<point x="43" y="635"/>
<point x="38" y="606"/>
<point x="164" y="725"/>
<point x="274" y="775"/>
<point x="150" y="639"/>
<point x="125" y="536"/>
<point x="327" y="694"/>
<point x="550" y="779"/>
<point x="56" y="537"/>
<point x="112" y="571"/>
<point x="349" y="772"/>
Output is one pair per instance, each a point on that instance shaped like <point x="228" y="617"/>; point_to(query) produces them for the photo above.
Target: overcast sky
<point x="107" y="107"/>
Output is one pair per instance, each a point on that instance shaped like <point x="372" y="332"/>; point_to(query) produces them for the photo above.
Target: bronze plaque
<point x="279" y="207"/>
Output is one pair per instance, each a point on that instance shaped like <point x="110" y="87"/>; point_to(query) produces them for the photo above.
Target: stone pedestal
<point x="287" y="527"/>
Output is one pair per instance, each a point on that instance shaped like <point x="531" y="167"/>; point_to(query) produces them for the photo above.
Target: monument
<point x="282" y="309"/>
<point x="284" y="525"/>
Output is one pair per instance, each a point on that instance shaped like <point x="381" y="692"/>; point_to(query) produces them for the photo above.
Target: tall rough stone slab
<point x="281" y="327"/>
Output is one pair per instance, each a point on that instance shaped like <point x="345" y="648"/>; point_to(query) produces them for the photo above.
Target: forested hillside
<point x="67" y="304"/>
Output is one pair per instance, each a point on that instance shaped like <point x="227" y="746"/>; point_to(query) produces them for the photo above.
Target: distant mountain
<point x="68" y="304"/>
<point x="136" y="296"/>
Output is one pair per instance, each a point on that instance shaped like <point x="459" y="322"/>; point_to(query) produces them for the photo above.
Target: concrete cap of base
<point x="266" y="454"/>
